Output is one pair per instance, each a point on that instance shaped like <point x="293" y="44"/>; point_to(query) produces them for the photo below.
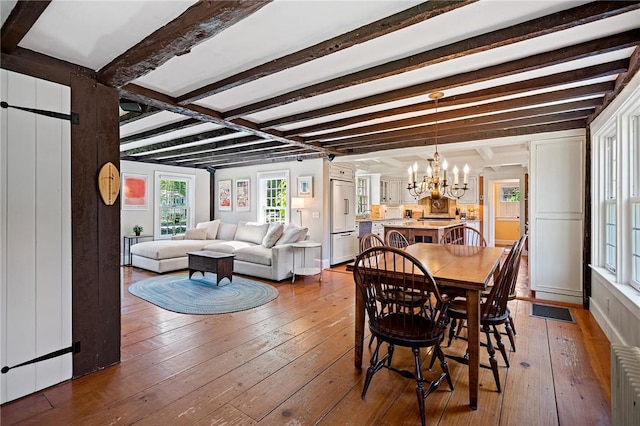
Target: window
<point x="635" y="202"/>
<point x="610" y="221"/>
<point x="273" y="197"/>
<point x="362" y="195"/>
<point x="510" y="194"/>
<point x="174" y="204"/>
<point x="508" y="202"/>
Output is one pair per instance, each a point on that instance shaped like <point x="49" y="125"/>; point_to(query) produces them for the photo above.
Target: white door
<point x="342" y="206"/>
<point x="35" y="235"/>
<point x="556" y="222"/>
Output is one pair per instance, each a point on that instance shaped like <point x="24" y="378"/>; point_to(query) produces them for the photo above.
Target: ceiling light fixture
<point x="432" y="182"/>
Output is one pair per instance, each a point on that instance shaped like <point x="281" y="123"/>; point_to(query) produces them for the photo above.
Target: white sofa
<point x="261" y="250"/>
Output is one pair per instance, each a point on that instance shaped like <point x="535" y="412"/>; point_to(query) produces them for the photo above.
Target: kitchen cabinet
<point x="394" y="194"/>
<point x="384" y="191"/>
<point x="471" y="195"/>
<point x="341" y="172"/>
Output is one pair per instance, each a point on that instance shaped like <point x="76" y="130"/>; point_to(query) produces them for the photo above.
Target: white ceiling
<point x="94" y="34"/>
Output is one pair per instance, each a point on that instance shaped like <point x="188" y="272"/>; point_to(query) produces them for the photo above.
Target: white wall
<point x="146" y="217"/>
<point x="315" y="204"/>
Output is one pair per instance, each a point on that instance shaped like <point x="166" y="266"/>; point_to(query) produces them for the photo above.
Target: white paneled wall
<point x="556" y="218"/>
<point x="35" y="234"/>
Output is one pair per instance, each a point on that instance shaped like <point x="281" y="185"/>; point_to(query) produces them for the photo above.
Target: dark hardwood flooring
<point x="290" y="362"/>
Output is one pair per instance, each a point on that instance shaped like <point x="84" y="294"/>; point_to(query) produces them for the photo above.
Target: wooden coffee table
<point x="211" y="261"/>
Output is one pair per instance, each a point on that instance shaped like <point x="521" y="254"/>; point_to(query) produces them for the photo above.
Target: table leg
<point x="359" y="339"/>
<point x="473" y="330"/>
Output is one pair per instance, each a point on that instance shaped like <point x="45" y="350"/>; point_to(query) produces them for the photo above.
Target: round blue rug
<point x="198" y="295"/>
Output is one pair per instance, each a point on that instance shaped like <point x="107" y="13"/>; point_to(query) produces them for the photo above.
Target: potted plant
<point x="137" y="230"/>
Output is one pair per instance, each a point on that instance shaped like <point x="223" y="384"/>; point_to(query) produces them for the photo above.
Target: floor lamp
<point x="298" y="203"/>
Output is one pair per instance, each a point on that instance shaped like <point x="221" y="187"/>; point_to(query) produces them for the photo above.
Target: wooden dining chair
<point x="463" y="236"/>
<point x="396" y="323"/>
<point x="493" y="311"/>
<point x="370" y="240"/>
<point x="396" y="239"/>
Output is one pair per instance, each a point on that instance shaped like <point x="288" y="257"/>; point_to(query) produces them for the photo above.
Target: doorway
<point x="505" y="208"/>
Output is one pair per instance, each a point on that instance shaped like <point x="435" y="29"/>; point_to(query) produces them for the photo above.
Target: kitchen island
<point x="429" y="231"/>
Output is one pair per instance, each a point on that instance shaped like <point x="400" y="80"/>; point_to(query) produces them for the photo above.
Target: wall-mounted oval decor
<point x="109" y="183"/>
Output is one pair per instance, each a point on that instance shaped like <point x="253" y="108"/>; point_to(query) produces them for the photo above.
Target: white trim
<point x="191" y="200"/>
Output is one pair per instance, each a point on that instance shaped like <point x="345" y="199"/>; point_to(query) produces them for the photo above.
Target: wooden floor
<point x="291" y="362"/>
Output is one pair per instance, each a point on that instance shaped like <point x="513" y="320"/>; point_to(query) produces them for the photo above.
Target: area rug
<point x="198" y="295"/>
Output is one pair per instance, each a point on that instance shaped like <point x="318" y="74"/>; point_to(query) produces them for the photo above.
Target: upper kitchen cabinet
<point x="384" y="190"/>
<point x="341" y="172"/>
<point x="394" y="194"/>
<point x="471" y="195"/>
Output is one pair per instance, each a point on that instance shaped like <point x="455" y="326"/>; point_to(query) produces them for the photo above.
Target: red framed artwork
<point x="135" y="192"/>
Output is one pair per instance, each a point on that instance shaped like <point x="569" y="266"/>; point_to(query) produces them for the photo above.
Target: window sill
<point x="628" y="296"/>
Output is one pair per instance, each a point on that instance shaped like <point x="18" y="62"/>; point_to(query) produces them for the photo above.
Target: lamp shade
<point x="297" y="203"/>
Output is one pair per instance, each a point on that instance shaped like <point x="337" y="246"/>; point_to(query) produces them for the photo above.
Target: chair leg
<point x="500" y="345"/>
<point x="419" y="386"/>
<point x="372" y="369"/>
<point x="513" y="327"/>
<point x="452" y="330"/>
<point x="444" y="365"/>
<point x="511" y="335"/>
<point x="492" y="357"/>
<point x="371" y="340"/>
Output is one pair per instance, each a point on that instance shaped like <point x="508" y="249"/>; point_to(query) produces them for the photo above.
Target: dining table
<point x="457" y="270"/>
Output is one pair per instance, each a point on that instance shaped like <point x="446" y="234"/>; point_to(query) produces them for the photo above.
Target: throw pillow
<point x="196" y="234"/>
<point x="273" y="234"/>
<point x="251" y="232"/>
<point x="292" y="234"/>
<point x="226" y="231"/>
<point x="211" y="227"/>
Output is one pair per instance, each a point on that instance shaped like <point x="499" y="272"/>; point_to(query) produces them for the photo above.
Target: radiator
<point x="625" y="385"/>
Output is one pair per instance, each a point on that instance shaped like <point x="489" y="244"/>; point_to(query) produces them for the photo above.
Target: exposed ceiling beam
<point x="531" y="29"/>
<point x="524" y="104"/>
<point x="159" y="100"/>
<point x="486" y="134"/>
<point x="426" y="135"/>
<point x="200" y="22"/>
<point x="209" y="148"/>
<point x="226" y="161"/>
<point x="362" y="34"/>
<point x="621" y="82"/>
<point x="485" y="152"/>
<point x="211" y="134"/>
<point x="530" y="63"/>
<point x="261" y="161"/>
<point x="581" y="74"/>
<point x="130" y="117"/>
<point x="22" y="17"/>
<point x="167" y="128"/>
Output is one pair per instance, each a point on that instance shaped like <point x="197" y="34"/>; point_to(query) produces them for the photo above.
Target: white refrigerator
<point x="344" y="240"/>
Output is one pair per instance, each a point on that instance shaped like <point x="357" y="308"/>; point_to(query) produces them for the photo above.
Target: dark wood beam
<point x="365" y="33"/>
<point x="200" y="22"/>
<point x="162" y="101"/>
<point x="168" y="128"/>
<point x="22" y="17"/>
<point x="523" y="102"/>
<point x="211" y="134"/>
<point x="37" y="65"/>
<point x="545" y="25"/>
<point x="587" y="73"/>
<point x="261" y="159"/>
<point x="480" y="135"/>
<point x="531" y="63"/>
<point x="621" y="82"/>
<point x="234" y="157"/>
<point x="206" y="148"/>
<point x="505" y="120"/>
<point x="130" y="117"/>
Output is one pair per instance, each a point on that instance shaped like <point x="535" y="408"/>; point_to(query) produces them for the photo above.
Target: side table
<point x="128" y="241"/>
<point x="301" y="247"/>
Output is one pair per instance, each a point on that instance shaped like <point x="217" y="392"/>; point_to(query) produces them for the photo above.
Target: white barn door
<point x="556" y="218"/>
<point x="35" y="235"/>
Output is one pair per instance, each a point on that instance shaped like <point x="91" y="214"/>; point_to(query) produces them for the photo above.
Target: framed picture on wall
<point x="305" y="186"/>
<point x="135" y="192"/>
<point x="243" y="195"/>
<point x="224" y="195"/>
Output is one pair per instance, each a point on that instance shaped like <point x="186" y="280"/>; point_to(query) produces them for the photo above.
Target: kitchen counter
<point x="423" y="231"/>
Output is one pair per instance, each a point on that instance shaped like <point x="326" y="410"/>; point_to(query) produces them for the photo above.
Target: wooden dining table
<point x="457" y="269"/>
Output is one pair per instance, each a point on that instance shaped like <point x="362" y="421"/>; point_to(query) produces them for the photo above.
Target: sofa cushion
<point x="291" y="234"/>
<point x="273" y="234"/>
<point x="196" y="234"/>
<point x="226" y="231"/>
<point x="227" y="246"/>
<point x="251" y="232"/>
<point x="211" y="227"/>
<point x="167" y="249"/>
<point x="255" y="254"/>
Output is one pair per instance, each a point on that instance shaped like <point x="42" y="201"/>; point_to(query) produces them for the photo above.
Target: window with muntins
<point x="635" y="201"/>
<point x="174" y="204"/>
<point x="273" y="197"/>
<point x="610" y="219"/>
<point x="362" y="195"/>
